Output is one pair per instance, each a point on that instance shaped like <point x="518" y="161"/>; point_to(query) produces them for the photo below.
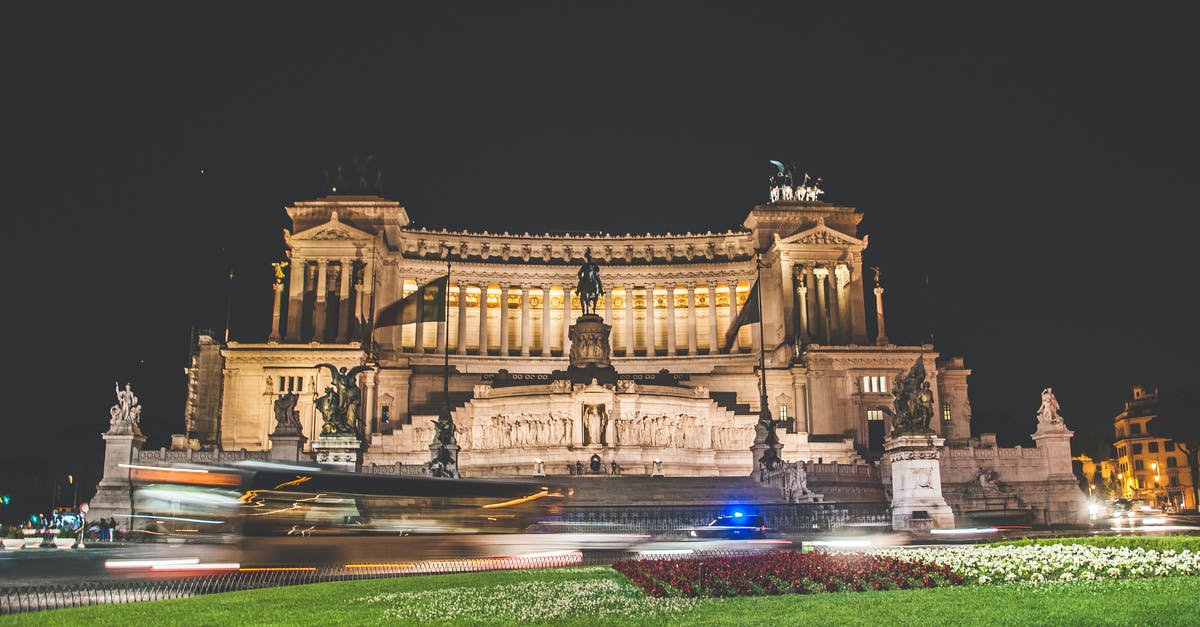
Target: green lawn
<point x="598" y="595"/>
<point x="1157" y="543"/>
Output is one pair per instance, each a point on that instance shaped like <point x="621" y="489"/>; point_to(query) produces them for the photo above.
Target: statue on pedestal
<point x="589" y="287"/>
<point x="913" y="403"/>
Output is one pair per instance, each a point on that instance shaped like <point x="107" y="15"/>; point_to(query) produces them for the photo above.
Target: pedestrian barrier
<point x="19" y="599"/>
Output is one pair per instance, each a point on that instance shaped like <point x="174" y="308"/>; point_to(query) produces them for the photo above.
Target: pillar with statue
<point x="340" y="443"/>
<point x="912" y="449"/>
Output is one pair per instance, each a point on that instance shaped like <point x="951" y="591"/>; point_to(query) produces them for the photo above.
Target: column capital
<point x="821" y="273"/>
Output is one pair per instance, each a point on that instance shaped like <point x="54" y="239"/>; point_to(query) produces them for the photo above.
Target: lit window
<point x="874" y="385"/>
<point x="1152" y="447"/>
<point x="945" y="411"/>
<point x="385" y="413"/>
<point x="874" y="414"/>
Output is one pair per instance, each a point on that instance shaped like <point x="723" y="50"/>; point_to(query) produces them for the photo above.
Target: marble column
<point x="504" y="320"/>
<point x="630" y="339"/>
<point x="462" y="318"/>
<point x="298" y="267"/>
<point x="671" y="348"/>
<point x="344" y="271"/>
<point x="366" y="290"/>
<point x="526" y="321"/>
<point x="822" y="275"/>
<point x="442" y="334"/>
<point x="278" y="288"/>
<point x="608" y="298"/>
<point x="802" y="305"/>
<point x="566" y="321"/>
<point x="419" y="327"/>
<point x="714" y="344"/>
<point x="842" y="275"/>
<point x="651" y="349"/>
<point x="483" y="319"/>
<point x="733" y="310"/>
<point x="691" y="319"/>
<point x="880" y="338"/>
<point x="545" y="321"/>
<point x="320" y="308"/>
<point x="370" y="393"/>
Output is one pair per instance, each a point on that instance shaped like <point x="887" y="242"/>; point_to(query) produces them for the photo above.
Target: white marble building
<point x="670" y="300"/>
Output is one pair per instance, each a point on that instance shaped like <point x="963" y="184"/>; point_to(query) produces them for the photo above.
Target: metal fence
<point x="18" y="599"/>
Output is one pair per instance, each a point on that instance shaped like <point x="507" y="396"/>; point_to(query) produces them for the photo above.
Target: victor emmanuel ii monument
<point x="742" y="353"/>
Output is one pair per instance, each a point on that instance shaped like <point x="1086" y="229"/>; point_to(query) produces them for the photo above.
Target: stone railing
<point x="843" y="470"/>
<point x="166" y="456"/>
<point x="992" y="452"/>
<point x="403" y="470"/>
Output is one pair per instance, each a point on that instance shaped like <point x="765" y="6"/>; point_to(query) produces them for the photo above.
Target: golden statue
<point x="279" y="266"/>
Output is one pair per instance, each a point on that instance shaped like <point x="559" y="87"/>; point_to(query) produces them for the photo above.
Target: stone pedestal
<point x="443" y="460"/>
<point x="339" y="452"/>
<point x="114" y="495"/>
<point x="917" y="502"/>
<point x="591" y="354"/>
<point x="1063" y="501"/>
<point x="286" y="447"/>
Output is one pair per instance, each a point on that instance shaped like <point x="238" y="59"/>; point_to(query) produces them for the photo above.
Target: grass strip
<point x="523" y="597"/>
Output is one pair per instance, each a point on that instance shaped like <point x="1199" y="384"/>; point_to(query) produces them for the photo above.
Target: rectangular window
<point x="1174" y="482"/>
<point x="946" y="411"/>
<point x="282" y="384"/>
<point x="874" y="414"/>
<point x="1137" y="465"/>
<point x="1152" y="447"/>
<point x="1171" y="462"/>
<point x="1137" y="449"/>
<point x="874" y="385"/>
<point x="1135" y="428"/>
<point x="1168" y="447"/>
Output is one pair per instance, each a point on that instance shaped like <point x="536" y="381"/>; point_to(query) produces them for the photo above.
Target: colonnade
<point x="327" y="299"/>
<point x="822" y="303"/>
<point x="527" y="319"/>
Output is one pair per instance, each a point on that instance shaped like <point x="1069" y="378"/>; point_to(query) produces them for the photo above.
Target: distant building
<point x="1150" y="466"/>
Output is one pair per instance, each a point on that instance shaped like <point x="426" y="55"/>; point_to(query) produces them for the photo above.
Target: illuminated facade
<point x="683" y="405"/>
<point x="1149" y="466"/>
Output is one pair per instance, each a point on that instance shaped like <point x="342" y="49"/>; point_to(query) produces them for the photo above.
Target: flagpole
<point x="446" y="339"/>
<point x="762" y="362"/>
<point x="371" y="306"/>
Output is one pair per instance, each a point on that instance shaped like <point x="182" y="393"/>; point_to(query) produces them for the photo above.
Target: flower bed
<point x="1056" y="562"/>
<point x="781" y="573"/>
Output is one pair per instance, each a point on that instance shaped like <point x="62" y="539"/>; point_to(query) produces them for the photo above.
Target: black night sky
<point x="1027" y="177"/>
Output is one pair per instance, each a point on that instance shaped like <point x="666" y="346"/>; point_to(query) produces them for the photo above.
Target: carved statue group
<point x="287" y="418"/>
<point x="1048" y="412"/>
<point x="341" y="404"/>
<point x="913" y="403"/>
<point x="127" y="411"/>
<point x="783" y="188"/>
<point x="558" y="429"/>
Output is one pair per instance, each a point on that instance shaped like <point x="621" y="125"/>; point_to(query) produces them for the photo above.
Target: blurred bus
<point x="276" y="513"/>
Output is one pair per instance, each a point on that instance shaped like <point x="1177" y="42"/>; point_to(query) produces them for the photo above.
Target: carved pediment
<point x="331" y="230"/>
<point x="822" y="235"/>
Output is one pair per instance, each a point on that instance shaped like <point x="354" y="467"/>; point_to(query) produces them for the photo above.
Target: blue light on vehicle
<point x="737" y="514"/>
